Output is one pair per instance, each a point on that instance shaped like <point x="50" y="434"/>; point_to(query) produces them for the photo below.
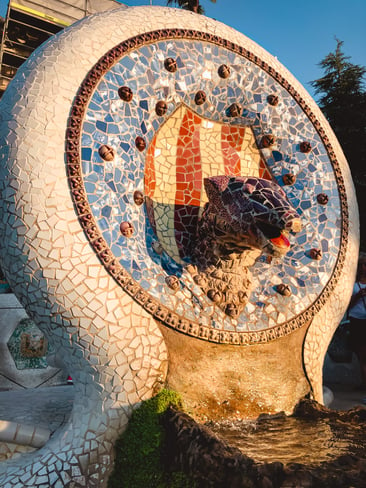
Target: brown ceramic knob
<point x="138" y="197"/>
<point x="315" y="254"/>
<point x="242" y="296"/>
<point x="173" y="282"/>
<point x="268" y="140"/>
<point x="158" y="248"/>
<point x="126" y="229"/>
<point x="170" y="65"/>
<point x="140" y="143"/>
<point x="200" y="97"/>
<point x="322" y="198"/>
<point x="305" y="147"/>
<point x="106" y="152"/>
<point x="200" y="280"/>
<point x="231" y="310"/>
<point x="272" y="100"/>
<point x="224" y="71"/>
<point x="283" y="289"/>
<point x="289" y="179"/>
<point x="125" y="93"/>
<point x="214" y="295"/>
<point x="161" y="108"/>
<point x="191" y="269"/>
<point x="234" y="110"/>
<point x="221" y="286"/>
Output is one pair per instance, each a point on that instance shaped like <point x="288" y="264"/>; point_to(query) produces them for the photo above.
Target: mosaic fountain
<point x="176" y="210"/>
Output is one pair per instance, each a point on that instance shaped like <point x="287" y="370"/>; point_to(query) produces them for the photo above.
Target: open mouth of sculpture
<point x="278" y="237"/>
<point x="281" y="241"/>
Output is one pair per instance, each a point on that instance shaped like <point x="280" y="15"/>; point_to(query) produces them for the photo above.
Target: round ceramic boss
<point x="156" y="115"/>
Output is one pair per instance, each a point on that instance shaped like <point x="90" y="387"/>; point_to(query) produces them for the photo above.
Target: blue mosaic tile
<point x="110" y="186"/>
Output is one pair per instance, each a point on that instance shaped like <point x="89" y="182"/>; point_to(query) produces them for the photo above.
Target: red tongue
<point x="281" y="241"/>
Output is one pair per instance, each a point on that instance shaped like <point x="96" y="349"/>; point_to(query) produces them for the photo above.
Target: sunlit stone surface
<point x="98" y="289"/>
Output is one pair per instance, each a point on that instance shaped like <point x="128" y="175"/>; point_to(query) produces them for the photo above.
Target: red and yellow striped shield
<point x="186" y="149"/>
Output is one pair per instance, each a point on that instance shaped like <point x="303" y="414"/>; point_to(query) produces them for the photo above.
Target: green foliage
<point x="138" y="461"/>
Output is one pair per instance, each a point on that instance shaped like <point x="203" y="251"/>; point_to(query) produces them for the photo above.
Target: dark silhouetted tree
<point x="192" y="5"/>
<point x="342" y="98"/>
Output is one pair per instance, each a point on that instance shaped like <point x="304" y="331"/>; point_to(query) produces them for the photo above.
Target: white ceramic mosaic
<point x="110" y="343"/>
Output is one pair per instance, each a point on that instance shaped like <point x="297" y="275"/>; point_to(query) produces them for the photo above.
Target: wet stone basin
<point x="315" y="448"/>
<point x="293" y="440"/>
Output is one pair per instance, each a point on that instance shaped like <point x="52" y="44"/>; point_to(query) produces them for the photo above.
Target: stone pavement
<point x="346" y="397"/>
<point x="43" y="407"/>
<point x="34" y="408"/>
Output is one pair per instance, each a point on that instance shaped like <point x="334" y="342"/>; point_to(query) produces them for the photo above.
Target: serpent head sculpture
<point x="242" y="215"/>
<point x="249" y="213"/>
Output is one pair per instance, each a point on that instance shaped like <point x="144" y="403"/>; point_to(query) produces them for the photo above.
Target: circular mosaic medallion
<point x="153" y="119"/>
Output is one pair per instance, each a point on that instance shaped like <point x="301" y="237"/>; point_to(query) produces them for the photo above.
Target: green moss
<point x="138" y="461"/>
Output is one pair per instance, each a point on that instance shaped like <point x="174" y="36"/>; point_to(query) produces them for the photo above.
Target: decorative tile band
<point x="86" y="140"/>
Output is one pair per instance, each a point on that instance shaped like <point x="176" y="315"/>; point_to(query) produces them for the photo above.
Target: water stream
<point x="293" y="440"/>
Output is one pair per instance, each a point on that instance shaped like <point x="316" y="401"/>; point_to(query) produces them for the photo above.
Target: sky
<point x="299" y="33"/>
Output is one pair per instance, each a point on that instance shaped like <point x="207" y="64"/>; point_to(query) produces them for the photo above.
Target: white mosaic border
<point x="113" y="348"/>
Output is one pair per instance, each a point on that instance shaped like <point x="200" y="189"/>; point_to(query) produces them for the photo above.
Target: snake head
<point x="250" y="213"/>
